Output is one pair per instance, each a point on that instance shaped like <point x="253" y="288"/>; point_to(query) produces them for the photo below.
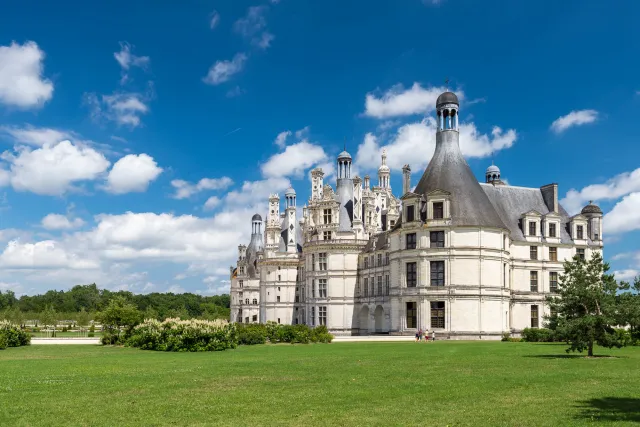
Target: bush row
<point x="183" y="335"/>
<point x="12" y="336"/>
<point x="257" y="333"/>
<point x="541" y="335"/>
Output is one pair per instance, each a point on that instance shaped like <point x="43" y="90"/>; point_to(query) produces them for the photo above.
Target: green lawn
<point x="436" y="384"/>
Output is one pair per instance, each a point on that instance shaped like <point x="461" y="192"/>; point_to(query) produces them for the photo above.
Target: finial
<point x="446" y="82"/>
<point x="590" y="202"/>
<point x="345" y="143"/>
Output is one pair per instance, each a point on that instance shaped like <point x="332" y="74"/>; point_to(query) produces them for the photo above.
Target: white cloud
<point x="252" y="25"/>
<point x="21" y="82"/>
<point x="281" y="139"/>
<point x="35" y="136"/>
<point x="211" y="203"/>
<point x="294" y="160"/>
<point x="235" y="92"/>
<point x="625" y="215"/>
<point x="574" y="118"/>
<point x="61" y="222"/>
<point x="414" y="144"/>
<point x="302" y="133"/>
<point x="126" y="59"/>
<point x="123" y="108"/>
<point x="54" y="169"/>
<point x="398" y="101"/>
<point x="626" y="275"/>
<point x="5" y="177"/>
<point x="44" y="254"/>
<point x="618" y="186"/>
<point x="185" y="189"/>
<point x="222" y="71"/>
<point x="256" y="192"/>
<point x="132" y="173"/>
<point x="214" y="19"/>
<point x="264" y="41"/>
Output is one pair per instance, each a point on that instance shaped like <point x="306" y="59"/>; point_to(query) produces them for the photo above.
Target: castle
<point x="468" y="260"/>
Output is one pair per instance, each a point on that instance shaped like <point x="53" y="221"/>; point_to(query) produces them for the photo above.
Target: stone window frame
<point x="437" y="241"/>
<point x="414" y="279"/>
<point x="413" y="244"/>
<point x="533" y="252"/>
<point x="437" y="272"/>
<point x="553" y="278"/>
<point x="322" y="288"/>
<point x="437" y="314"/>
<point x="322" y="315"/>
<point x="534" y="282"/>
<point x="555" y="252"/>
<point x="535" y="320"/>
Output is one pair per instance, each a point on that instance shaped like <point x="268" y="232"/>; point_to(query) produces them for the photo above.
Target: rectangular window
<point x="553" y="281"/>
<point x="437" y="273"/>
<point x="366" y="262"/>
<point x="322" y="261"/>
<point x="532" y="228"/>
<point x="438" y="210"/>
<point x="313" y="262"/>
<point x="327" y="216"/>
<point x="411" y="213"/>
<point x="313" y="316"/>
<point x="246" y="319"/>
<point x="437" y="239"/>
<point x="533" y="252"/>
<point x="411" y="275"/>
<point x="371" y="261"/>
<point x="358" y="288"/>
<point x="386" y="285"/>
<point x="437" y="314"/>
<point x="366" y="286"/>
<point x="379" y="260"/>
<point x="552" y="229"/>
<point x="580" y="253"/>
<point x="279" y="278"/>
<point x="533" y="279"/>
<point x="579" y="232"/>
<point x="255" y="318"/>
<point x="313" y="288"/>
<point x="534" y="316"/>
<point x="326" y="235"/>
<point x="379" y="286"/>
<point x="553" y="312"/>
<point x="297" y="298"/>
<point x="386" y="258"/>
<point x="553" y="254"/>
<point x="411" y="241"/>
<point x="412" y="315"/>
<point x="322" y="316"/>
<point x="372" y="285"/>
<point x="241" y="283"/>
<point x="241" y="270"/>
<point x="278" y="298"/>
<point x="322" y="288"/>
<point x="278" y="320"/>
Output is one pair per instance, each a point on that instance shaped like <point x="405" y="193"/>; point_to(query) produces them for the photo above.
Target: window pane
<point x="534" y="281"/>
<point x="410" y="213"/>
<point x="553" y="254"/>
<point x="437" y="273"/>
<point x="438" y="210"/>
<point x="533" y="252"/>
<point x="411" y="275"/>
<point x="552" y="230"/>
<point x="534" y="316"/>
<point x="411" y="241"/>
<point x="437" y="314"/>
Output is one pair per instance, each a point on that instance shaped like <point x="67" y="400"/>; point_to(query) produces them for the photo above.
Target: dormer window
<point x="552" y="230"/>
<point x="532" y="228"/>
<point x="327" y="216"/>
<point x="411" y="213"/>
<point x="579" y="232"/>
<point x="438" y="210"/>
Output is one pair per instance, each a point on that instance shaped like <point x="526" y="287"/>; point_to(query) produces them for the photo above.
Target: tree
<point x="82" y="318"/>
<point x="49" y="317"/>
<point x="119" y="314"/>
<point x="151" y="313"/>
<point x="630" y="312"/>
<point x="587" y="308"/>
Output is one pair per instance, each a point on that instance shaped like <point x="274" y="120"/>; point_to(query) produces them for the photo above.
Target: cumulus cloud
<point x="22" y="84"/>
<point x="214" y="19"/>
<point x="399" y="101"/>
<point x="281" y="139"/>
<point x="223" y="70"/>
<point x="256" y="192"/>
<point x="44" y="254"/>
<point x="124" y="108"/>
<point x="127" y="60"/>
<point x="264" y="41"/>
<point x="626" y="275"/>
<point x="185" y="189"/>
<point x="54" y="169"/>
<point x="625" y="215"/>
<point x="414" y="144"/>
<point x="294" y="160"/>
<point x="132" y="173"/>
<point x="574" y="118"/>
<point x="31" y="135"/>
<point x="211" y="203"/>
<point x="61" y="222"/>
<point x="618" y="186"/>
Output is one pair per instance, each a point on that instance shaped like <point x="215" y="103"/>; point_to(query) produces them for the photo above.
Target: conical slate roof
<point x="449" y="171"/>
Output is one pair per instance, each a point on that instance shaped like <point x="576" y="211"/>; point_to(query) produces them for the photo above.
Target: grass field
<point x="436" y="384"/>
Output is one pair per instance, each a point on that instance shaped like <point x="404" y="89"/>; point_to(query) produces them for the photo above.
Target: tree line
<point x="92" y="300"/>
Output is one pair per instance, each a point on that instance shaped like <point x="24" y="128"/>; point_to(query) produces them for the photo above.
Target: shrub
<point x="4" y="343"/>
<point x="540" y="335"/>
<point x="251" y="333"/>
<point x="184" y="335"/>
<point x="321" y="334"/>
<point x="91" y="334"/>
<point x="624" y="336"/>
<point x="505" y="336"/>
<point x="13" y="335"/>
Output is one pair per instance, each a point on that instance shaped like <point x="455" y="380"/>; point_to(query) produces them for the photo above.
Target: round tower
<point x="593" y="213"/>
<point x="492" y="174"/>
<point x="384" y="172"/>
<point x="344" y="188"/>
<point x="447" y="106"/>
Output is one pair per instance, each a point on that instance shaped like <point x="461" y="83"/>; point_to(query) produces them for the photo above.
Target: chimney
<point x="550" y="196"/>
<point x="406" y="179"/>
<point x="367" y="186"/>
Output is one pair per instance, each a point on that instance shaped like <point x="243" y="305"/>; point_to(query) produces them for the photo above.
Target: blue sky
<point x="173" y="114"/>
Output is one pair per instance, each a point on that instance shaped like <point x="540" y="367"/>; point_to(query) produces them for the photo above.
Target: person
<point x="419" y="335"/>
<point x="433" y="335"/>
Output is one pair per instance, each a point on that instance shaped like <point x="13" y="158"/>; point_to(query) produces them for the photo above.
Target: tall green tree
<point x="630" y="312"/>
<point x="82" y="318"/>
<point x="587" y="306"/>
<point x="49" y="317"/>
<point x="120" y="314"/>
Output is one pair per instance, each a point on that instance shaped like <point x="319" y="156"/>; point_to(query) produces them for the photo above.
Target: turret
<point x="593" y="213"/>
<point x="317" y="176"/>
<point x="289" y="224"/>
<point x="384" y="172"/>
<point x="344" y="188"/>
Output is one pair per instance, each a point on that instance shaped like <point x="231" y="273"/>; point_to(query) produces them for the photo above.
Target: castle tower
<point x="255" y="245"/>
<point x="317" y="176"/>
<point x="384" y="172"/>
<point x="289" y="233"/>
<point x="272" y="229"/>
<point x="492" y="175"/>
<point x="406" y="179"/>
<point x="594" y="226"/>
<point x="344" y="188"/>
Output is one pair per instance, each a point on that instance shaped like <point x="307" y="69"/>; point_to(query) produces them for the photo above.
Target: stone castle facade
<point x="468" y="260"/>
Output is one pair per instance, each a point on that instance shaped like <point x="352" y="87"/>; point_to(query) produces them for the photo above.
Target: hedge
<point x="184" y="335"/>
<point x="12" y="336"/>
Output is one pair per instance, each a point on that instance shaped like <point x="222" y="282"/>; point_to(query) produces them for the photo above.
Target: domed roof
<point x="344" y="155"/>
<point x="591" y="209"/>
<point x="383" y="168"/>
<point x="290" y="191"/>
<point x="493" y="169"/>
<point x="447" y="98"/>
<point x="256" y="217"/>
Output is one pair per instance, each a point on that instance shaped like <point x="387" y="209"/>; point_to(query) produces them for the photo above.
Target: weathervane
<point x="446" y="82"/>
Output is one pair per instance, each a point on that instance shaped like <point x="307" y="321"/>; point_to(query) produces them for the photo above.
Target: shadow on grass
<point x="570" y="356"/>
<point x="610" y="409"/>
